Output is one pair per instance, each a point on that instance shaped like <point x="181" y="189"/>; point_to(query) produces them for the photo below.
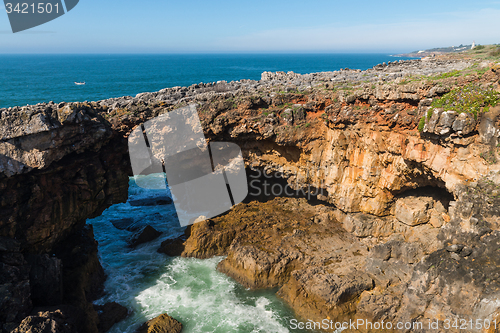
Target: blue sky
<point x="192" y="26"/>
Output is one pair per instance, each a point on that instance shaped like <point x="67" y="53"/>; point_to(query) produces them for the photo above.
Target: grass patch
<point x="441" y="76"/>
<point x="470" y="98"/>
<point x="421" y="124"/>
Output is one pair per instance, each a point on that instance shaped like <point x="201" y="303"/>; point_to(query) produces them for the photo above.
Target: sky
<point x="258" y="26"/>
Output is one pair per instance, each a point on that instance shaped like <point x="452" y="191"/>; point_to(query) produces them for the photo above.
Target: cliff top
<point x="391" y="95"/>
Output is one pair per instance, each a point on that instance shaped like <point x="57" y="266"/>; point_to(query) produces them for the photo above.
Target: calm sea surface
<point x="31" y="79"/>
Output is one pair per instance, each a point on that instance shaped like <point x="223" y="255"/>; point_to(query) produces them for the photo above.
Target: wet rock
<point x="147" y="234"/>
<point x="172" y="247"/>
<point x="110" y="314"/>
<point x="161" y="324"/>
<point x="125" y="224"/>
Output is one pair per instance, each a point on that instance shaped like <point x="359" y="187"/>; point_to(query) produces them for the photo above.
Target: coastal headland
<point x="404" y="225"/>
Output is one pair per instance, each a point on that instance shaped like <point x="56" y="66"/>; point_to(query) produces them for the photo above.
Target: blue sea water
<point x="191" y="290"/>
<point x="31" y="79"/>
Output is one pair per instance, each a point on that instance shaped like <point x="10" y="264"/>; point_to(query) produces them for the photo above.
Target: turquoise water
<point x="30" y="79"/>
<point x="191" y="290"/>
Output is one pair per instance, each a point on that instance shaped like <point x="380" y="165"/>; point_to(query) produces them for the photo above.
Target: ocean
<point x="146" y="282"/>
<point x="191" y="290"/>
<point x="31" y="79"/>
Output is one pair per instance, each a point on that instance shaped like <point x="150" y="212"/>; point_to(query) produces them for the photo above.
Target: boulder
<point x="125" y="224"/>
<point x="110" y="314"/>
<point x="147" y="234"/>
<point x="51" y="320"/>
<point x="161" y="324"/>
<point x="172" y="247"/>
<point x="464" y="123"/>
<point x="413" y="210"/>
<point x="445" y="122"/>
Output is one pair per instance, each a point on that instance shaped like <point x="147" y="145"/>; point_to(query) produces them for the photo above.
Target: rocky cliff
<point x="59" y="165"/>
<point x="403" y="225"/>
<point x="409" y="219"/>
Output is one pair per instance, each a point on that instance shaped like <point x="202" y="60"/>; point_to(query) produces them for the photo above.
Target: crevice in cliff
<point x="264" y="187"/>
<point x="438" y="193"/>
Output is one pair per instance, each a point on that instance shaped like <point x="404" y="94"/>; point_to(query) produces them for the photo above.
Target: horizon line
<point x="209" y="53"/>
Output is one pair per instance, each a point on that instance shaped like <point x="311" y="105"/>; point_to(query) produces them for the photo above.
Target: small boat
<point x="79" y="83"/>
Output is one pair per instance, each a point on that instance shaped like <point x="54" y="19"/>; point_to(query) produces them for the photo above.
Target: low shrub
<point x="471" y="99"/>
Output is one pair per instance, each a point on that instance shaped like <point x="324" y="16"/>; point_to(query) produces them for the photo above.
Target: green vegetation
<point x="471" y="99"/>
<point x="495" y="52"/>
<point x="429" y="113"/>
<point x="446" y="75"/>
<point x="421" y="124"/>
<point x="485" y="52"/>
